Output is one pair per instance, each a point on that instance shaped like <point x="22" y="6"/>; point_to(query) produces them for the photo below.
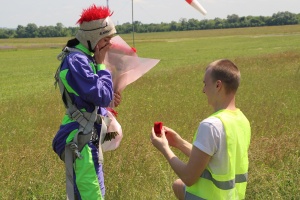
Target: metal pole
<point x="107" y="4"/>
<point x="132" y="23"/>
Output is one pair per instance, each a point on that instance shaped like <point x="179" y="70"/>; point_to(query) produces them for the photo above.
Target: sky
<point x="51" y="12"/>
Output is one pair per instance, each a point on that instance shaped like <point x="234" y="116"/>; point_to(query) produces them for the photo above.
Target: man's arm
<point x="186" y="148"/>
<point x="189" y="172"/>
<point x="176" y="141"/>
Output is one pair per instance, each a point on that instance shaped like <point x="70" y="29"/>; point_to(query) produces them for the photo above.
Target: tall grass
<point x="31" y="112"/>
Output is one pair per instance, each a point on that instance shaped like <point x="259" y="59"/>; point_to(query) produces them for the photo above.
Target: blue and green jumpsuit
<point x="88" y="85"/>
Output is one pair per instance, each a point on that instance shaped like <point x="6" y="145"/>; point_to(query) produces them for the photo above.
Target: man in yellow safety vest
<point x="218" y="157"/>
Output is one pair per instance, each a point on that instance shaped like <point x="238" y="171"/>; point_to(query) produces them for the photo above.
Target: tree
<point x="256" y="21"/>
<point x="21" y="32"/>
<point x="243" y="22"/>
<point x="164" y="27"/>
<point x="7" y="33"/>
<point x="232" y="21"/>
<point x="173" y="26"/>
<point x="283" y="18"/>
<point x="183" y="24"/>
<point x="233" y="18"/>
<point x="60" y="30"/>
<point x="193" y="24"/>
<point x="31" y="30"/>
<point x="210" y="24"/>
<point x="219" y="23"/>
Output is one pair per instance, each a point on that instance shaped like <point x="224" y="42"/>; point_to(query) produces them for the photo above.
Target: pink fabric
<point x="125" y="65"/>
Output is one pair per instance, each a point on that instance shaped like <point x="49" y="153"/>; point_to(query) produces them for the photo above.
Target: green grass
<point x="31" y="112"/>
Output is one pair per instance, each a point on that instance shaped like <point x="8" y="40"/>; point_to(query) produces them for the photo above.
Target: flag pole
<point x="132" y="23"/>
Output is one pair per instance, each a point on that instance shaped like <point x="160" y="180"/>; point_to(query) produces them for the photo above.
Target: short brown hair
<point x="227" y="72"/>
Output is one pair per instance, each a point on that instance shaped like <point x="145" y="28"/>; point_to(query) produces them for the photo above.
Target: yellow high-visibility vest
<point x="233" y="184"/>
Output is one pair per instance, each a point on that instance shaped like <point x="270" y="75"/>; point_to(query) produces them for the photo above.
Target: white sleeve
<point x="208" y="135"/>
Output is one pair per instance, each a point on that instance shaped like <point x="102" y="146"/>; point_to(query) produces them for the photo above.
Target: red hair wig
<point x="94" y="13"/>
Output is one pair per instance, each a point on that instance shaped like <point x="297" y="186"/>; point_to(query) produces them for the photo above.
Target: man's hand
<point x="160" y="142"/>
<point x="173" y="137"/>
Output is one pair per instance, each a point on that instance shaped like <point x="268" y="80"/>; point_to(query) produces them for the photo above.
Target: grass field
<point x="31" y="112"/>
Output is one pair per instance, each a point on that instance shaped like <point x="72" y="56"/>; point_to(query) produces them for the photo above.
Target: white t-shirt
<point x="211" y="139"/>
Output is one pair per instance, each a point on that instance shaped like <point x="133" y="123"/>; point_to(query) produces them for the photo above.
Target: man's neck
<point x="227" y="102"/>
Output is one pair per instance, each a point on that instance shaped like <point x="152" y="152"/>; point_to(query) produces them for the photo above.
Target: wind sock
<point x="197" y="6"/>
<point x="124" y="63"/>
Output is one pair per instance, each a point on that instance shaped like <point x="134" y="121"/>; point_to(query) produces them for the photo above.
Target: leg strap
<point x="72" y="152"/>
<point x="69" y="160"/>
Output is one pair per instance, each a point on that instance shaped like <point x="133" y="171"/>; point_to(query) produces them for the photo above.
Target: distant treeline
<point x="232" y="21"/>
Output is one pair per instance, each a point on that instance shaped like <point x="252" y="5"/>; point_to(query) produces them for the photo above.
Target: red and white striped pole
<point x="197" y="6"/>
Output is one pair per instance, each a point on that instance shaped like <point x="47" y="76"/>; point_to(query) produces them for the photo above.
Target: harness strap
<point x="69" y="158"/>
<point x="85" y="119"/>
<point x="65" y="52"/>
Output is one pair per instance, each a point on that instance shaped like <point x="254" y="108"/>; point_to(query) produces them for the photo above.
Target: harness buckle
<point x="76" y="115"/>
<point x="77" y="154"/>
<point x="74" y="148"/>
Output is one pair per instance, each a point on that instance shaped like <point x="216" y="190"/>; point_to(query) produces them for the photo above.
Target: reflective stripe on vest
<point x="225" y="185"/>
<point x="191" y="196"/>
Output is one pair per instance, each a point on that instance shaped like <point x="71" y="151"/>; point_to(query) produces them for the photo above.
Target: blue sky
<point x="50" y="12"/>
